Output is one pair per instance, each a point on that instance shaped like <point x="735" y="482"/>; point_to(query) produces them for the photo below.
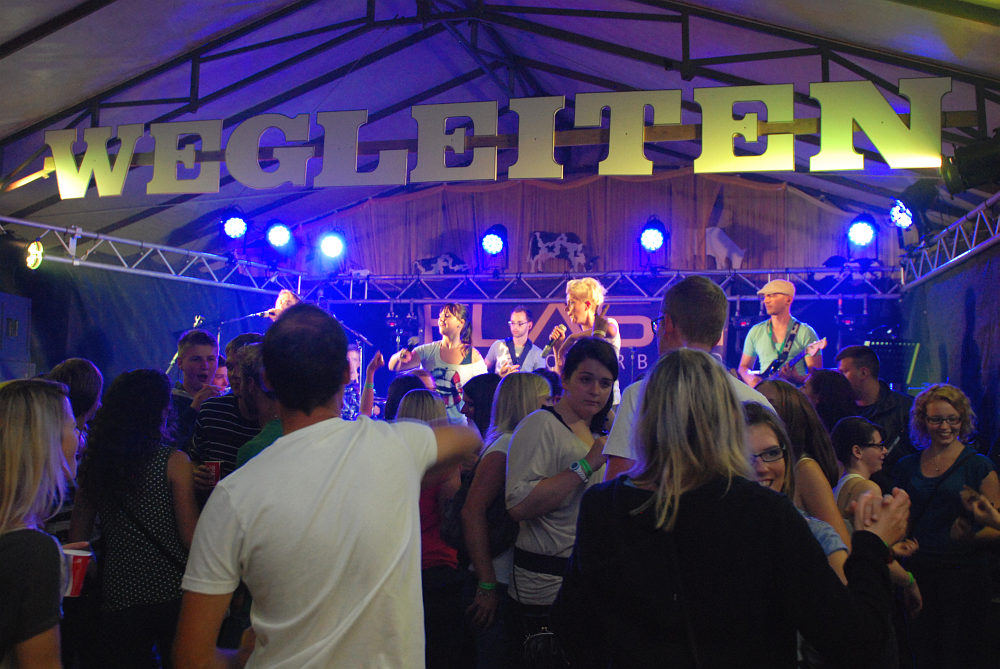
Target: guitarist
<point x="778" y="339"/>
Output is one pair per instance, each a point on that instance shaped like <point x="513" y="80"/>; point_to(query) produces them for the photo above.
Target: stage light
<point x="278" y="235"/>
<point x="972" y="165"/>
<point x="900" y="215"/>
<point x="494" y="239"/>
<point x="653" y="234"/>
<point x="34" y="254"/>
<point x="862" y="230"/>
<point x="234" y="226"/>
<point x="332" y="245"/>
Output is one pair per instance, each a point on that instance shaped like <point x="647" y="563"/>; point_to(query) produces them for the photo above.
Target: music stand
<point x="896" y="360"/>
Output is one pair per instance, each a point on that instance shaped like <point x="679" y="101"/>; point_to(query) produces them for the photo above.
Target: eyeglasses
<point x="517" y="323"/>
<point x="768" y="455"/>
<point x="655" y="323"/>
<point x="951" y="420"/>
<point x="878" y="445"/>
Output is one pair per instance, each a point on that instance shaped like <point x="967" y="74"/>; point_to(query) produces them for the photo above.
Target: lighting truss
<point x="966" y="237"/>
<point x="80" y="248"/>
<point x="878" y="283"/>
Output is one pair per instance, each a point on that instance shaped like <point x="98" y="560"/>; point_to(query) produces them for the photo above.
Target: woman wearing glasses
<point x="952" y="571"/>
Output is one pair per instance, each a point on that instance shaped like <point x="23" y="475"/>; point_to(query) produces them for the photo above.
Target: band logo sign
<point x="910" y="140"/>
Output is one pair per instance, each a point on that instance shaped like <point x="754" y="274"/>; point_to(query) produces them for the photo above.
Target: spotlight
<point x="653" y="234"/>
<point x="900" y="215"/>
<point x="494" y="239"/>
<point x="332" y="245"/>
<point x="278" y="235"/>
<point x="34" y="254"/>
<point x="234" y="225"/>
<point x="862" y="230"/>
<point x="972" y="165"/>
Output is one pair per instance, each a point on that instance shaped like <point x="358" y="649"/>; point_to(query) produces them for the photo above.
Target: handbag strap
<point x="153" y="539"/>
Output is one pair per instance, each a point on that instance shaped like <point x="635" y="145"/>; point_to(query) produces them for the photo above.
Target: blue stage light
<point x="278" y="235"/>
<point x="653" y="234"/>
<point x="332" y="245"/>
<point x="234" y="226"/>
<point x="862" y="230"/>
<point x="494" y="239"/>
<point x="900" y="215"/>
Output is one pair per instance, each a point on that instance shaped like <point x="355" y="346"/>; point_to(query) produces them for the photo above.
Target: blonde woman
<point x="687" y="562"/>
<point x="38" y="442"/>
<point x="518" y="394"/>
<point x="441" y="580"/>
<point x="954" y="574"/>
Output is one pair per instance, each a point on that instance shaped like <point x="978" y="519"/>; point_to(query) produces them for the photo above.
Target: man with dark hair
<point x="694" y="313"/>
<point x="197" y="358"/>
<point x="516" y="353"/>
<point x="323" y="525"/>
<point x="224" y="423"/>
<point x="879" y="404"/>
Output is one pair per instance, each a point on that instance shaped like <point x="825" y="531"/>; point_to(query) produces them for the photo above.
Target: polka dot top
<point x="136" y="571"/>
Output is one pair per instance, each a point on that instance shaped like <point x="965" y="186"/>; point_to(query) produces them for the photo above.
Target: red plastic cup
<point x="76" y="569"/>
<point x="216" y="467"/>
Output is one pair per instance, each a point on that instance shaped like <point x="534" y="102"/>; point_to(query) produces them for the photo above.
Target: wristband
<point x="369" y="386"/>
<point x="909" y="584"/>
<point x="586" y="467"/>
<point x="578" y="470"/>
<point x="486" y="586"/>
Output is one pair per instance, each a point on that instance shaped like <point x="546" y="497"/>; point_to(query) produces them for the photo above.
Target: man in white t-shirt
<point x="323" y="526"/>
<point x="694" y="313"/>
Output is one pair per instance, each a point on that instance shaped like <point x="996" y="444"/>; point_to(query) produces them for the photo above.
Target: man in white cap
<point x="780" y="338"/>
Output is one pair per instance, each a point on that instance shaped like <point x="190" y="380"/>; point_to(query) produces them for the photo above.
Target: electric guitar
<point x="809" y="351"/>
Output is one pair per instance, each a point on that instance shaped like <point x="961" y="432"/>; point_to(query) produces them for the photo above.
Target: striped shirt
<point x="220" y="430"/>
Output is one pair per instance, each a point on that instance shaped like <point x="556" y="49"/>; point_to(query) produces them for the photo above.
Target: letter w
<point x="73" y="182"/>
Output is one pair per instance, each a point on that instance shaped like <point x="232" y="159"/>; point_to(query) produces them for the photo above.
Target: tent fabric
<point x="776" y="225"/>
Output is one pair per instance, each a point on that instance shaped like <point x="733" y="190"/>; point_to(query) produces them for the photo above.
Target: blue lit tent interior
<point x="122" y="274"/>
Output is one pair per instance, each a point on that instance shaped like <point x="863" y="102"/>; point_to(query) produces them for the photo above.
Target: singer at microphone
<point x="286" y="298"/>
<point x="558" y="333"/>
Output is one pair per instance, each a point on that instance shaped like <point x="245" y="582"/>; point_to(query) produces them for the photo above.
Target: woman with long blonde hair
<point x="518" y="394"/>
<point x="688" y="562"/>
<point x="38" y="442"/>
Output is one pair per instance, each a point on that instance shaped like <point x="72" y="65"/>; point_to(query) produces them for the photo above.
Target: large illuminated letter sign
<point x="433" y="141"/>
<point x="73" y="182"/>
<point x="243" y="152"/>
<point x="536" y="125"/>
<point x="340" y="154"/>
<point x="718" y="128"/>
<point x="627" y="126"/>
<point x="167" y="156"/>
<point x="844" y="102"/>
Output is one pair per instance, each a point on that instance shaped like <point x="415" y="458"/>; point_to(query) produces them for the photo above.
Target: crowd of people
<point x="494" y="512"/>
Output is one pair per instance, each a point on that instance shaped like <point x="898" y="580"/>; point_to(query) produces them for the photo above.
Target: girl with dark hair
<point x="816" y="470"/>
<point x="686" y="563"/>
<point x="452" y="360"/>
<point x="831" y="395"/>
<point x="477" y="398"/>
<point x="553" y="457"/>
<point x="143" y="491"/>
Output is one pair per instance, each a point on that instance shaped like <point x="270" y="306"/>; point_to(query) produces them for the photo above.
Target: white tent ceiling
<point x="65" y="63"/>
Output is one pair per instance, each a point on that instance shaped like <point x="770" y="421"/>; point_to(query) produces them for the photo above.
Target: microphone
<point x="412" y="343"/>
<point x="264" y="314"/>
<point x="548" y="347"/>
